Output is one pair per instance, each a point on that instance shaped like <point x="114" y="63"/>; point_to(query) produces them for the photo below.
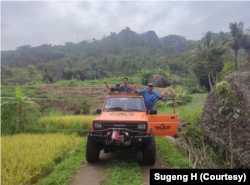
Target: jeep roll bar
<point x="161" y="99"/>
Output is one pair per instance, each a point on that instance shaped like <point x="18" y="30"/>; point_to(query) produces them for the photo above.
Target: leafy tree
<point x="228" y="108"/>
<point x="31" y="70"/>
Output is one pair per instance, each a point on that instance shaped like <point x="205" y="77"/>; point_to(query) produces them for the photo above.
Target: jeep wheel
<point x="149" y="152"/>
<point x="92" y="151"/>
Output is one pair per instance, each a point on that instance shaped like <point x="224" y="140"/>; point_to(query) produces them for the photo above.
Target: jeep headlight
<point x="142" y="126"/>
<point x="97" y="125"/>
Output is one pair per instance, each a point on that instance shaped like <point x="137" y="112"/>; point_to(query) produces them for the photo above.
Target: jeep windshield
<point x="124" y="104"/>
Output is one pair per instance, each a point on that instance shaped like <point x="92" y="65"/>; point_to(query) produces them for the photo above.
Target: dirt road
<point x="92" y="173"/>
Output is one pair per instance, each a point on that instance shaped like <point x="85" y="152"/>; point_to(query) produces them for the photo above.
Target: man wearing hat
<point x="149" y="95"/>
<point x="117" y="86"/>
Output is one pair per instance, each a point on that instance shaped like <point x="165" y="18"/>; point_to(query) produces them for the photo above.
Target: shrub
<point x="227" y="69"/>
<point x="86" y="105"/>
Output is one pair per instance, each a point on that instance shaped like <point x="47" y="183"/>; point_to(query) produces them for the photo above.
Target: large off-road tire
<point x="149" y="152"/>
<point x="92" y="151"/>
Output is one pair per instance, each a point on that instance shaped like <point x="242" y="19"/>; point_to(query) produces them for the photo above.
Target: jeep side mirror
<point x="153" y="112"/>
<point x="99" y="111"/>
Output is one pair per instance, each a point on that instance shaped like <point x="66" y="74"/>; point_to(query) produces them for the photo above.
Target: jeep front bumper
<point x="132" y="138"/>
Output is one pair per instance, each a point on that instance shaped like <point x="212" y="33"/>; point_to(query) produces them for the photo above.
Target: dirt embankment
<point x="68" y="99"/>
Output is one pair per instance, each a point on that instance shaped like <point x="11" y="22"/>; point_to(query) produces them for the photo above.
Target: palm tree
<point x="203" y="51"/>
<point x="247" y="48"/>
<point x="238" y="38"/>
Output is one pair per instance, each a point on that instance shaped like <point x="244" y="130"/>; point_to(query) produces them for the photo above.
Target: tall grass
<point x="192" y="115"/>
<point x="28" y="157"/>
<point x="66" y="122"/>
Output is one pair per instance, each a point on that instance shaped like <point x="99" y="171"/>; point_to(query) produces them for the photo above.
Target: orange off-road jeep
<point x="124" y="122"/>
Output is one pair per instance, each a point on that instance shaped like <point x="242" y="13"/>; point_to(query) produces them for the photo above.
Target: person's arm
<point x="162" y="95"/>
<point x="140" y="91"/>
<point x="139" y="87"/>
<point x="108" y="86"/>
<point x="135" y="89"/>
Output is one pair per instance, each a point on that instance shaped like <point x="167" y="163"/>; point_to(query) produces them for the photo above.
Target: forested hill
<point x="120" y="54"/>
<point x="123" y="43"/>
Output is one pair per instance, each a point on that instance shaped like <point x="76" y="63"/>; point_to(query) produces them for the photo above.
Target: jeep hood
<point x="121" y="116"/>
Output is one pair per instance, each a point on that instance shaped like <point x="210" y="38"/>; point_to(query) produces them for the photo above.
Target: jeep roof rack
<point x="124" y="93"/>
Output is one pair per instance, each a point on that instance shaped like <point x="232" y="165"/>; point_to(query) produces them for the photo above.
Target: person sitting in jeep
<point x="125" y="87"/>
<point x="117" y="86"/>
<point x="131" y="89"/>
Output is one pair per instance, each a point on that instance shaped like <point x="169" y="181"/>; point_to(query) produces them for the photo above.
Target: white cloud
<point x="36" y="23"/>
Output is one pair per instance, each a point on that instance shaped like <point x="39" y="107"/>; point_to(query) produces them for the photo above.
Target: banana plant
<point x="16" y="109"/>
<point x="179" y="96"/>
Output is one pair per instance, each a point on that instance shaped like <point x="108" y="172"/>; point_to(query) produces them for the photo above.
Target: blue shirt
<point x="149" y="97"/>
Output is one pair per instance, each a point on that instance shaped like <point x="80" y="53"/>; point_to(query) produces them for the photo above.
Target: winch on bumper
<point x="126" y="137"/>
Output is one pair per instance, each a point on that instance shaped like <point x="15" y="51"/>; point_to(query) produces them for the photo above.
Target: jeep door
<point x="165" y="122"/>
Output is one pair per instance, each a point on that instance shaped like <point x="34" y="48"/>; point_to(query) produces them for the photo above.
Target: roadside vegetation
<point x="171" y="155"/>
<point x="196" y="147"/>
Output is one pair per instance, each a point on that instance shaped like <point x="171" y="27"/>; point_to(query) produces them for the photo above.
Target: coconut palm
<point x="202" y="52"/>
<point x="247" y="48"/>
<point x="238" y="38"/>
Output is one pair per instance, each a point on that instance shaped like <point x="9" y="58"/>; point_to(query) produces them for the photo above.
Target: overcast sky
<point x="37" y="23"/>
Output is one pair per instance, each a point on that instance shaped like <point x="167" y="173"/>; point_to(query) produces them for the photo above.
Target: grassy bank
<point x="171" y="155"/>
